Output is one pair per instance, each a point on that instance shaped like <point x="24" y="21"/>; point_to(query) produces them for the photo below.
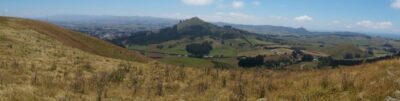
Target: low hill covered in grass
<point x="193" y="28"/>
<point x="227" y="42"/>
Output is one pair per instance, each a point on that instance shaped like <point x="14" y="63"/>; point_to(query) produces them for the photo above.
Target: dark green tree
<point x="357" y="55"/>
<point x="307" y="57"/>
<point x="248" y="62"/>
<point x="348" y="56"/>
<point x="325" y="61"/>
<point x="199" y="50"/>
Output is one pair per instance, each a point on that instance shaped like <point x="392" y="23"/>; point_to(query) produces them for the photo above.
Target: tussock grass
<point x="163" y="82"/>
<point x="72" y="39"/>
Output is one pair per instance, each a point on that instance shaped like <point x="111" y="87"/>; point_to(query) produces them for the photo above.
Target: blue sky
<point x="378" y="16"/>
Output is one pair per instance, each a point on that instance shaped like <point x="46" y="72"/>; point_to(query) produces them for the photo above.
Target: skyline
<point x="376" y="16"/>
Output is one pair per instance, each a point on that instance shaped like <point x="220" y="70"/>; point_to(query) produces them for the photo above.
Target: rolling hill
<point x="73" y="39"/>
<point x="227" y="42"/>
<point x="230" y="42"/>
<point x="35" y="66"/>
<point x="191" y="28"/>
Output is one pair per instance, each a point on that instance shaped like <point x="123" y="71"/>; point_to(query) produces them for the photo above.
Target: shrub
<point x="297" y="53"/>
<point x="118" y="75"/>
<point x="159" y="87"/>
<point x="347" y="82"/>
<point x="348" y="56"/>
<point x="251" y="61"/>
<point x="325" y="61"/>
<point x="160" y="46"/>
<point x="218" y="64"/>
<point x="135" y="84"/>
<point x="325" y="82"/>
<point x="239" y="92"/>
<point x="307" y="57"/>
<point x="101" y="83"/>
<point x="78" y="85"/>
<point x="202" y="87"/>
<point x="199" y="50"/>
<point x="357" y="55"/>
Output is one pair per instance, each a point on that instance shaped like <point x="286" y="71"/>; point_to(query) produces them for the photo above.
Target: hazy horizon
<point x="341" y="15"/>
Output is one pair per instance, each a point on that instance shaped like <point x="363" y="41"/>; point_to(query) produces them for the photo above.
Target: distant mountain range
<point x="111" y="26"/>
<point x="269" y="29"/>
<point x="107" y="27"/>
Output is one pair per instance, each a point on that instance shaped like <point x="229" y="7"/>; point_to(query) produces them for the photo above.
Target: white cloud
<point x="375" y="25"/>
<point x="237" y="4"/>
<point x="197" y="2"/>
<point x="349" y="26"/>
<point x="256" y="3"/>
<point x="395" y="4"/>
<point x="233" y="15"/>
<point x="304" y="18"/>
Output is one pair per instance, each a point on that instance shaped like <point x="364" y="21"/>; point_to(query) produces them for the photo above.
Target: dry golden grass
<point x="73" y="39"/>
<point x="36" y="67"/>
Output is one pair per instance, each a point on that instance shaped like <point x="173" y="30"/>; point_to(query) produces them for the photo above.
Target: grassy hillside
<point x="38" y="67"/>
<point x="72" y="39"/>
<point x="227" y="42"/>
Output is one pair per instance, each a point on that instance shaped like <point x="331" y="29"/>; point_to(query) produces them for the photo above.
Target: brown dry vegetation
<point x="73" y="39"/>
<point x="36" y="67"/>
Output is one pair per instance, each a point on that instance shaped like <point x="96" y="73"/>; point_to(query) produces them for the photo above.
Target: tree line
<point x="352" y="62"/>
<point x="297" y="56"/>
